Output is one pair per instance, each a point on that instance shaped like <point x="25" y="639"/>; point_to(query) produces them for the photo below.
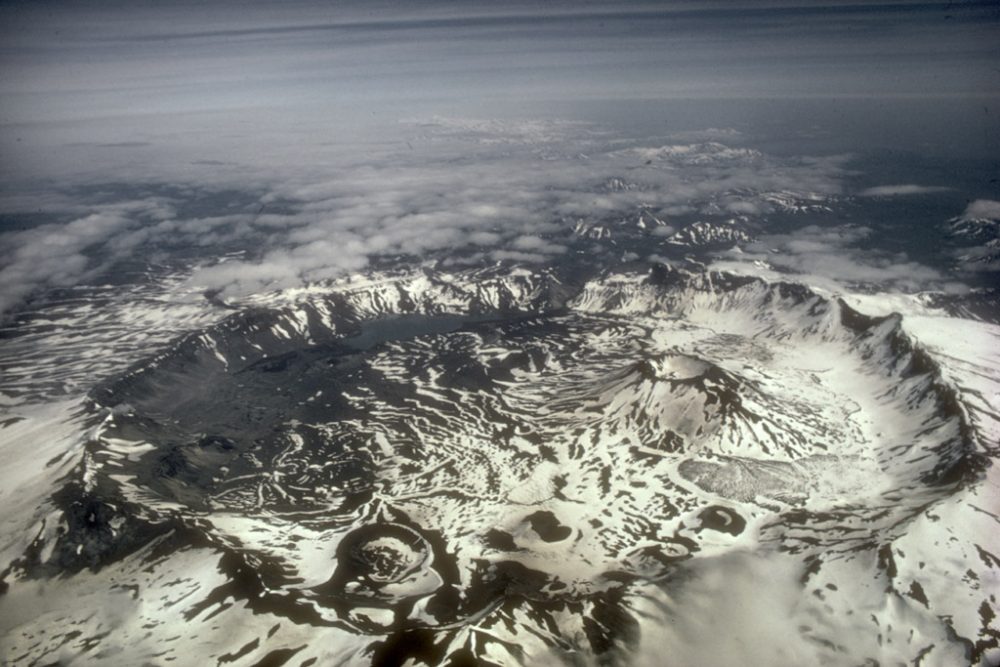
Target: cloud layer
<point x="474" y="190"/>
<point x="834" y="258"/>
<point x="143" y="89"/>
<point x="902" y="190"/>
<point x="982" y="209"/>
<point x="298" y="111"/>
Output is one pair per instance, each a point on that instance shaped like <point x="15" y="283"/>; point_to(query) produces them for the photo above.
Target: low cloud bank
<point x="57" y="254"/>
<point x="902" y="190"/>
<point x="982" y="209"/>
<point x="834" y="258"/>
<point x="494" y="190"/>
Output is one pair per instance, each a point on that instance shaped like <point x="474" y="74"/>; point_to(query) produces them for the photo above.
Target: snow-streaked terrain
<point x="510" y="466"/>
<point x="453" y="334"/>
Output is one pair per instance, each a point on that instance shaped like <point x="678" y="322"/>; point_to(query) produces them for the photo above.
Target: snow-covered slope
<point x="714" y="234"/>
<point x="980" y="237"/>
<point x="503" y="466"/>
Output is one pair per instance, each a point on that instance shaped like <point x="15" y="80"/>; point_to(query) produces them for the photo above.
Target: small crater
<point x="722" y="519"/>
<point x="548" y="526"/>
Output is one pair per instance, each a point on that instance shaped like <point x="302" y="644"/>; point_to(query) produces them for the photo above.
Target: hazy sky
<point x="257" y="77"/>
<point x="73" y="61"/>
<point x="304" y="100"/>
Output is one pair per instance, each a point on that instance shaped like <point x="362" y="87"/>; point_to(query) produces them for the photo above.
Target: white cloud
<point x="832" y="258"/>
<point x="739" y="609"/>
<point x="901" y="190"/>
<point x="441" y="194"/>
<point x="743" y="207"/>
<point x="537" y="244"/>
<point x="56" y="255"/>
<point x="512" y="189"/>
<point x="517" y="256"/>
<point x="723" y="134"/>
<point x="982" y="209"/>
